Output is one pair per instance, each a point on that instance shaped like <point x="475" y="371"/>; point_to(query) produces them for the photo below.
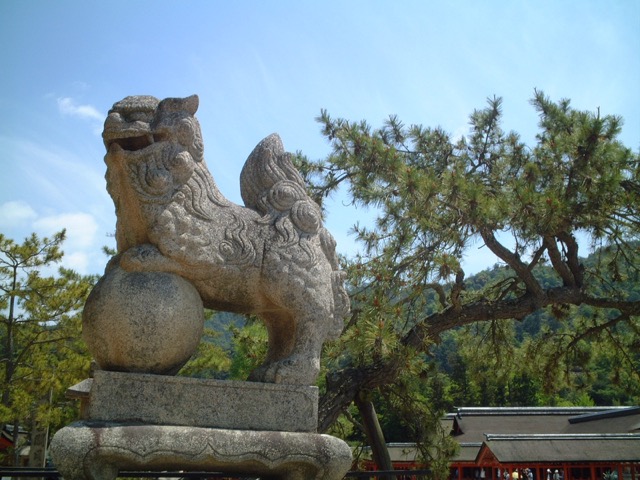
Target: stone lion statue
<point x="272" y="258"/>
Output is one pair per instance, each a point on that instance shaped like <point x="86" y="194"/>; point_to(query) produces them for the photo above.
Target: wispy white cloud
<point x="16" y="212"/>
<point x="82" y="244"/>
<point x="51" y="186"/>
<point x="52" y="176"/>
<point x="78" y="261"/>
<point x="68" y="106"/>
<point x="81" y="228"/>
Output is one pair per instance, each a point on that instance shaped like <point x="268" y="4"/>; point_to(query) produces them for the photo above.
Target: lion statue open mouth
<point x="272" y="258"/>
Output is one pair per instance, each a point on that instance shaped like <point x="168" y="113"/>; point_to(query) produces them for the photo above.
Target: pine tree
<point x="40" y="351"/>
<point x="437" y="198"/>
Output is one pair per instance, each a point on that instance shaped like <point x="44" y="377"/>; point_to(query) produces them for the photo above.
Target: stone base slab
<point x="98" y="451"/>
<point x="192" y="402"/>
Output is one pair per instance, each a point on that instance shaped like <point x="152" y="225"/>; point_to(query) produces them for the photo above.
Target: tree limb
<point x="556" y="260"/>
<point x="511" y="259"/>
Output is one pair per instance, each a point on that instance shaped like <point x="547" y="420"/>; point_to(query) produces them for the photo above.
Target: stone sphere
<point x="142" y="322"/>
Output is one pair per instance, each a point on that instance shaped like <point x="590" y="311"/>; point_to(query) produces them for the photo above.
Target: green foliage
<point x="211" y="360"/>
<point x="414" y="406"/>
<point x="39" y="333"/>
<point x="249" y="348"/>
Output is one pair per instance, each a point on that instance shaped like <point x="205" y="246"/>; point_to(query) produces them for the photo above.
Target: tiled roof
<point x="567" y="448"/>
<point x="540" y="430"/>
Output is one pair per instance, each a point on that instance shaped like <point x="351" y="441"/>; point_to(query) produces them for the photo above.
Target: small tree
<point x="40" y="323"/>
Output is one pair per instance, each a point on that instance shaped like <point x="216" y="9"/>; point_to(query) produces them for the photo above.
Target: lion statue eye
<point x="184" y="132"/>
<point x="157" y="180"/>
<point x="179" y="160"/>
<point x="181" y="166"/>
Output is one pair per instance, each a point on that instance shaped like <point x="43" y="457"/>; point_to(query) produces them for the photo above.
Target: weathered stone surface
<point x="161" y="400"/>
<point x="142" y="321"/>
<point x="94" y="451"/>
<point x="272" y="258"/>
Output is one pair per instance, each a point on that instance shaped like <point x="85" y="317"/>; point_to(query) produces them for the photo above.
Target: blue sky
<point x="268" y="66"/>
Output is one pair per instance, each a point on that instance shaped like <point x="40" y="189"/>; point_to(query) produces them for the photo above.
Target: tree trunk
<point x="344" y="385"/>
<point x="16" y="440"/>
<point x="379" y="449"/>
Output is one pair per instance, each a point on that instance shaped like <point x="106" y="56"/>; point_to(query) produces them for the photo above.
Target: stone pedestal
<point x="155" y="423"/>
<point x="97" y="451"/>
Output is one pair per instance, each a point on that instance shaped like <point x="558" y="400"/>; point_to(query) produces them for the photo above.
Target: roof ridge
<point x="623" y="412"/>
<point x="577" y="411"/>
<point x="561" y="436"/>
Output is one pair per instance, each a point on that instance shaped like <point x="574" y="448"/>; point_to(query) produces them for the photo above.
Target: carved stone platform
<point x="143" y="422"/>
<point x="95" y="451"/>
